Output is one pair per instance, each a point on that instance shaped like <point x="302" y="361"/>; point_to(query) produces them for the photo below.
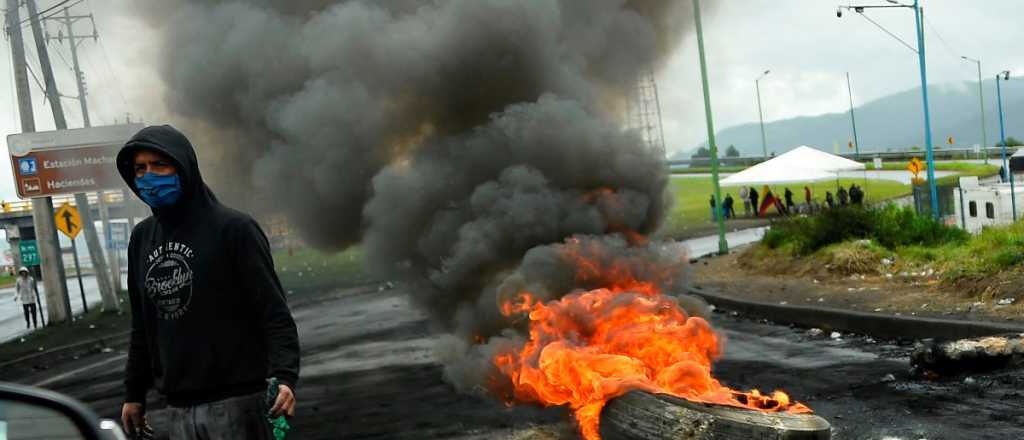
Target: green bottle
<point x="279" y="425"/>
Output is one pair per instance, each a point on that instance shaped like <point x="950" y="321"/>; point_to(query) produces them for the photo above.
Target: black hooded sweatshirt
<point x="209" y="317"/>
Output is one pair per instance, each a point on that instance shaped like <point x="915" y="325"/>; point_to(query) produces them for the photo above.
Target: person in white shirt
<point x="745" y="197"/>
<point x="25" y="293"/>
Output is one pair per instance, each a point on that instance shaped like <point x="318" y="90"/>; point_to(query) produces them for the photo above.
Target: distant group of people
<point x="756" y="205"/>
<point x="855" y="196"/>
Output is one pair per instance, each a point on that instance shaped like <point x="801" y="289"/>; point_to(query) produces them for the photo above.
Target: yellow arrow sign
<point x="68" y="220"/>
<point x="915" y="166"/>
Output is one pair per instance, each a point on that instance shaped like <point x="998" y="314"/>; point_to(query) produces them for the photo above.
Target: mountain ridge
<point x="880" y="126"/>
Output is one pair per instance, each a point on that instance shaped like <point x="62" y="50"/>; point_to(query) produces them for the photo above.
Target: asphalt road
<point x="369" y="372"/>
<point x="12" y="318"/>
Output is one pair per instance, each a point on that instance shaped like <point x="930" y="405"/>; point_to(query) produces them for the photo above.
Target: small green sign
<point x="29" y="253"/>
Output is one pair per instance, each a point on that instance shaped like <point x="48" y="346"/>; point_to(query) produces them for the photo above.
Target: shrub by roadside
<point x="890" y="227"/>
<point x="896" y="244"/>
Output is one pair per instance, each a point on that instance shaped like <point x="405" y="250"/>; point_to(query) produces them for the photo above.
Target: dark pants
<point x="30" y="310"/>
<point x="241" y="417"/>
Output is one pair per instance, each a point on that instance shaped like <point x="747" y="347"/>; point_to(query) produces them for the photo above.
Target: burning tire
<point x="643" y="416"/>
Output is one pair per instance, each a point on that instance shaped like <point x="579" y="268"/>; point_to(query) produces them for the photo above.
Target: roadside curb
<point x="872" y="324"/>
<point x="104" y="341"/>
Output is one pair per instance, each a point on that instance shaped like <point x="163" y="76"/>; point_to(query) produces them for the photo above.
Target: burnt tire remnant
<point x="968" y="355"/>
<point x="638" y="415"/>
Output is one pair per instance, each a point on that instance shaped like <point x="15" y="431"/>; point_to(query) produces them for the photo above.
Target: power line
<point x="908" y="46"/>
<point x="42" y="88"/>
<point x="60" y="54"/>
<point x="101" y="107"/>
<point x="106" y="59"/>
<point x="31" y="57"/>
<point x="110" y="67"/>
<point x="41" y="14"/>
<point x="937" y="34"/>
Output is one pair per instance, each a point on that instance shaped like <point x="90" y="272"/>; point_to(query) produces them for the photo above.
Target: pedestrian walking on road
<point x="745" y="197"/>
<point x="714" y="212"/>
<point x="25" y="292"/>
<point x="754" y="198"/>
<point x="211" y="329"/>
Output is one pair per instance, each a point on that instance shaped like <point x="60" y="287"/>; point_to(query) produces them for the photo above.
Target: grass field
<point x="966" y="168"/>
<point x="691" y="196"/>
<point x="308" y="269"/>
<point x="963" y="168"/>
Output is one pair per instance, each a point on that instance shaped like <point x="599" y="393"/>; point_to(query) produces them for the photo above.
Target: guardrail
<point x="110" y="197"/>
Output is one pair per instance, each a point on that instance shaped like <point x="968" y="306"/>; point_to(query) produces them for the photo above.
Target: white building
<point x="977" y="206"/>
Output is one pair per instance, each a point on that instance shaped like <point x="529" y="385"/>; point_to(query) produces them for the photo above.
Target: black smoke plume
<point x="449" y="138"/>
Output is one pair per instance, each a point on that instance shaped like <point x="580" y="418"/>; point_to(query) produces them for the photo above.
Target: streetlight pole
<point x="853" y="120"/>
<point x="723" y="245"/>
<point x="919" y="20"/>
<point x="1002" y="141"/>
<point x="981" y="100"/>
<point x="919" y="27"/>
<point x="760" y="113"/>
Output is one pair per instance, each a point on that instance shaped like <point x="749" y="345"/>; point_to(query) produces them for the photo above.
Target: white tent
<point x="799" y="165"/>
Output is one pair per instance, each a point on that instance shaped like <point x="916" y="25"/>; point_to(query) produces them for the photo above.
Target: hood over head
<point x="172" y="143"/>
<point x="22" y="269"/>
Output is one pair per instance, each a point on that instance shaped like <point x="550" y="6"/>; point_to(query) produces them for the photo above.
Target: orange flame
<point x="591" y="346"/>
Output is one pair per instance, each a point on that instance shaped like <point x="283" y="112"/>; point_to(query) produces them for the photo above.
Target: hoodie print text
<point x="169" y="279"/>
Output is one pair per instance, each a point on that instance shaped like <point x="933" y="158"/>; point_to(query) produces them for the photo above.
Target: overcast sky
<point x="806" y="47"/>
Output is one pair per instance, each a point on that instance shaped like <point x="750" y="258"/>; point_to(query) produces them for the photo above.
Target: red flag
<point x="769" y="201"/>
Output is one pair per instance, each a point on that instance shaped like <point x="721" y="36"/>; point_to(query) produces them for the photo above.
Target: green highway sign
<point x="29" y="253"/>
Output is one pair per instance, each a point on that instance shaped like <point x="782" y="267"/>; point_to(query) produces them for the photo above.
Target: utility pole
<point x="760" y="113"/>
<point x="1005" y="76"/>
<point x="853" y="120"/>
<point x="58" y="305"/>
<point x="107" y="290"/>
<point x="981" y="100"/>
<point x="921" y="59"/>
<point x="99" y="263"/>
<point x="929" y="150"/>
<point x="723" y="244"/>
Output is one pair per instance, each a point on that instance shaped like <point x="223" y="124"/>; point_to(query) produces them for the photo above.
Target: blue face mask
<point x="159" y="191"/>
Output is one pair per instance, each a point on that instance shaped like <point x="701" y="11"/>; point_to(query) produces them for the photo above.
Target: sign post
<point x="72" y="161"/>
<point x="915" y="167"/>
<point x="69" y="221"/>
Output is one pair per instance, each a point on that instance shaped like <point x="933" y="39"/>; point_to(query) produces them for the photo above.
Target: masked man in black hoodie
<point x="210" y="326"/>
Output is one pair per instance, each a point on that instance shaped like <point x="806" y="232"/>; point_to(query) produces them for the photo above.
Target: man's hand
<point x="285" y="402"/>
<point x="133" y="417"/>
